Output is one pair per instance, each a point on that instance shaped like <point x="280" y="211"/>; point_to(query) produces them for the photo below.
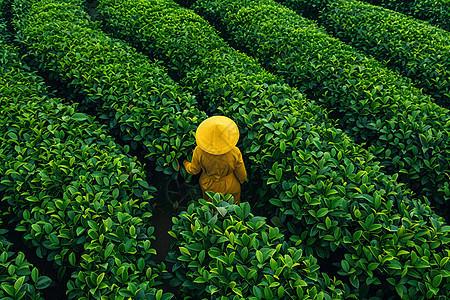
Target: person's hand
<point x="182" y="158"/>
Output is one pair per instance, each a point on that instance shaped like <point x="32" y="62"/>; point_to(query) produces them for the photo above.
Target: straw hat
<point x="217" y="135"/>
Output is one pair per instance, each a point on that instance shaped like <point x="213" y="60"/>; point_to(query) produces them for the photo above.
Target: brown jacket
<point x="221" y="173"/>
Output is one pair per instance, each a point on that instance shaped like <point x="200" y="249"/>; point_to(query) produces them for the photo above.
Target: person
<point x="216" y="155"/>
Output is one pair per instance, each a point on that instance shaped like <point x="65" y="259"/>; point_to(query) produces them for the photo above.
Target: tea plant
<point x="224" y="251"/>
<point x="83" y="204"/>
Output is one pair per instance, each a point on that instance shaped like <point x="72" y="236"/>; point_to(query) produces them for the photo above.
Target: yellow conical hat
<point x="217" y="135"/>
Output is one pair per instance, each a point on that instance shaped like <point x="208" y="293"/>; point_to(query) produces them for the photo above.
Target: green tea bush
<point x="411" y="47"/>
<point x="406" y="131"/>
<point x="437" y="12"/>
<point x="83" y="204"/>
<point x="138" y="100"/>
<point x="223" y="251"/>
<point x="19" y="279"/>
<point x="283" y="142"/>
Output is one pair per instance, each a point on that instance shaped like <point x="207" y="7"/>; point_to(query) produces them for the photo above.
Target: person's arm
<point x="240" y="171"/>
<point x="193" y="167"/>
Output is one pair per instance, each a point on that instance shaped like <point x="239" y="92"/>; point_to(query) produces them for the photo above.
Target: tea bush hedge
<point x="406" y="131"/>
<point x="138" y="100"/>
<point x="19" y="279"/>
<point x="222" y="251"/>
<point x="83" y="204"/>
<point x="329" y="192"/>
<point x="411" y="47"/>
<point x="437" y="12"/>
<point x="15" y="270"/>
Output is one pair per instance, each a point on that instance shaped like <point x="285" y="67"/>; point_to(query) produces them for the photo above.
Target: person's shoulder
<point x="199" y="150"/>
<point x="236" y="151"/>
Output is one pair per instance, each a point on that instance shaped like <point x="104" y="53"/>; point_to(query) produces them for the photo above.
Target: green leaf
<point x="159" y="294"/>
<point x="322" y="212"/>
<point x="377" y="201"/>
<point x="144" y="184"/>
<point x="79" y="117"/>
<point x="257" y="292"/>
<point x="421" y="264"/>
<point x="373" y="266"/>
<point x="350" y="169"/>
<point x="201" y="256"/>
<point x="268" y="293"/>
<point x="271" y="180"/>
<point x="354" y="281"/>
<point x="282" y="146"/>
<point x="19" y="283"/>
<point x="241" y="271"/>
<point x="259" y="256"/>
<point x="72" y="259"/>
<point x="280" y="292"/>
<point x="199" y="280"/>
<point x="93" y="234"/>
<point x="246" y="208"/>
<point x="80" y="230"/>
<point x="244" y="253"/>
<point x="43" y="282"/>
<point x="12" y="269"/>
<point x="356" y="235"/>
<point x="222" y="211"/>
<point x="437" y="280"/>
<point x="100" y="278"/>
<point x="185" y="251"/>
<point x="8" y="288"/>
<point x="34" y="274"/>
<point x="345" y="265"/>
<point x="278" y="174"/>
<point x="273" y="264"/>
<point x="13" y="136"/>
<point x="328" y="223"/>
<point x="239" y="212"/>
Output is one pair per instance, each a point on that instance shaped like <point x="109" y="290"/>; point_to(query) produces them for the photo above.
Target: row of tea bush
<point x="83" y="204"/>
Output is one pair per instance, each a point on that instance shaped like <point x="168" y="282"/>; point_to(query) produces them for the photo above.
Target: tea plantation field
<point x="343" y="113"/>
